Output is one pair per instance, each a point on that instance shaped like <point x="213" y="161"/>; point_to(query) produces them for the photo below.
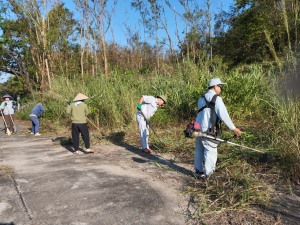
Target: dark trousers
<point x="80" y="128"/>
<point x="9" y="122"/>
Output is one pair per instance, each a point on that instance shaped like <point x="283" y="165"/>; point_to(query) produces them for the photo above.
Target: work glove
<point x="139" y="107"/>
<point x="68" y="103"/>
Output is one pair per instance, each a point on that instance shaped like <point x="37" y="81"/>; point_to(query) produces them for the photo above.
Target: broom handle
<point x="93" y="124"/>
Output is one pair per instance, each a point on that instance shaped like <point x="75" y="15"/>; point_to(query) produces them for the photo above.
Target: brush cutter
<point x="7" y="130"/>
<point x="201" y="134"/>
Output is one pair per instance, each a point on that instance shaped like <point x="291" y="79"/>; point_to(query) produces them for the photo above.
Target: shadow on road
<point x="65" y="142"/>
<point x="118" y="138"/>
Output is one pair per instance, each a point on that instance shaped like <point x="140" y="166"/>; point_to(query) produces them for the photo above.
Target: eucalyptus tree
<point x="35" y="37"/>
<point x="61" y="41"/>
<point x="14" y="49"/>
<point x="95" y="22"/>
<point x="150" y="11"/>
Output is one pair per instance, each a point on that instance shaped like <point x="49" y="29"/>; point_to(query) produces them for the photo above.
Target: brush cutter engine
<point x="192" y="127"/>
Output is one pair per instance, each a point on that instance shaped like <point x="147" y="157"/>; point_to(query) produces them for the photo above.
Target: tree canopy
<point x="41" y="40"/>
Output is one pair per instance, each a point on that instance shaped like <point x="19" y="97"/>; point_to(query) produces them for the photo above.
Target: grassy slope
<point x="269" y="122"/>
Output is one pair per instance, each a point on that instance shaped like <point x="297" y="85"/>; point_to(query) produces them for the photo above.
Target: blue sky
<point x="124" y="14"/>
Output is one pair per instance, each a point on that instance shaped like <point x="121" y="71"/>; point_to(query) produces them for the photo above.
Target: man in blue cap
<point x="211" y="111"/>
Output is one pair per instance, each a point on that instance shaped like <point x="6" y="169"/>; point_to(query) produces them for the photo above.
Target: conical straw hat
<point x="80" y="97"/>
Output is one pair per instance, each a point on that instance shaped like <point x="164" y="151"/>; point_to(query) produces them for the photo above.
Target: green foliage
<point x="249" y="97"/>
<point x="34" y="43"/>
<point x="256" y="32"/>
<point x="113" y="101"/>
<point x="285" y="134"/>
<point x="245" y="91"/>
<point x="15" y="86"/>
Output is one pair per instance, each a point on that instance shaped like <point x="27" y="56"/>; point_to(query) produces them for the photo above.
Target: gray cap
<point x="7" y="96"/>
<point x="214" y="82"/>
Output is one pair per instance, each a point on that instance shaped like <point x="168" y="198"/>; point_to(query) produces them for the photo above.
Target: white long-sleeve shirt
<point x="9" y="108"/>
<point x="203" y="117"/>
<point x="149" y="106"/>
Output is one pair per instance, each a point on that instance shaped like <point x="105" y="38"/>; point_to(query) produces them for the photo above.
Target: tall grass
<point x="234" y="187"/>
<point x="286" y="136"/>
<point x="113" y="100"/>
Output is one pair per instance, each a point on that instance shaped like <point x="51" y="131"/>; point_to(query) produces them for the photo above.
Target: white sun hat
<point x="215" y="81"/>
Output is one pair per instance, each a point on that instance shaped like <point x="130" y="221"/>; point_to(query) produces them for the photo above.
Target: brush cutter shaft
<point x="147" y="122"/>
<point x="201" y="134"/>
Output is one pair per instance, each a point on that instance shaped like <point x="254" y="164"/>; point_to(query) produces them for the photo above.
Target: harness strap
<point x="214" y="120"/>
<point x="209" y="104"/>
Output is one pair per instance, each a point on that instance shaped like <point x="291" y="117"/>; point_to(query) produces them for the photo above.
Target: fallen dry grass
<point x="6" y="170"/>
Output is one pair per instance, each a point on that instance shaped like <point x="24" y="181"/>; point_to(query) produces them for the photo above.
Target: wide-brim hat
<point x="163" y="97"/>
<point x="7" y="96"/>
<point x="80" y="97"/>
<point x="215" y="81"/>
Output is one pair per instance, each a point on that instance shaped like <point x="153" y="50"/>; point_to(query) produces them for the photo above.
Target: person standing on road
<point x="8" y="110"/>
<point x="35" y="113"/>
<point x="147" y="106"/>
<point x="206" y="150"/>
<point x="79" y="111"/>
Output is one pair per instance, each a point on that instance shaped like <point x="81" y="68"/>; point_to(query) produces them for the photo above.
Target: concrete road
<point x="50" y="185"/>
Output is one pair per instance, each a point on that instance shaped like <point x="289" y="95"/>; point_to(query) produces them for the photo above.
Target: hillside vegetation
<point x="243" y="177"/>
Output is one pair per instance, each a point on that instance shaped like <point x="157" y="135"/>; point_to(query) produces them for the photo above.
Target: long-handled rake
<point x="7" y="129"/>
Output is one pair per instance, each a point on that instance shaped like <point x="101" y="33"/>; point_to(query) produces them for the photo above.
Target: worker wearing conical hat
<point x="79" y="111"/>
